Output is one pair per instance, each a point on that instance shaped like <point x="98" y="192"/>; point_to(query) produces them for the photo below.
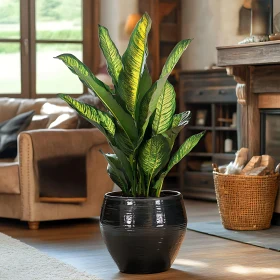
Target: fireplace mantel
<point x="256" y="68"/>
<point x="249" y="54"/>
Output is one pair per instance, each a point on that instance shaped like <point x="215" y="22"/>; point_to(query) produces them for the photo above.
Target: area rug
<point x="269" y="238"/>
<point x="19" y="261"/>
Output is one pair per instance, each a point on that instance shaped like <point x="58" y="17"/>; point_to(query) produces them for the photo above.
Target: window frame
<point x="27" y="40"/>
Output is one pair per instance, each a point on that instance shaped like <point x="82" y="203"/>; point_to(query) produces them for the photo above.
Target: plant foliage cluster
<point x="141" y="125"/>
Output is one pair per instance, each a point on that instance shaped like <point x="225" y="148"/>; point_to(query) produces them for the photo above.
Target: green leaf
<point x="123" y="142"/>
<point x="111" y="54"/>
<point x="178" y="117"/>
<point x="145" y="84"/>
<point x="115" y="172"/>
<point x="178" y="123"/>
<point x="124" y="163"/>
<point x="185" y="148"/>
<point x="183" y="118"/>
<point x="149" y="101"/>
<point x="165" y="110"/>
<point x="141" y="185"/>
<point x="103" y="93"/>
<point x="148" y="105"/>
<point x="100" y="119"/>
<point x="158" y="184"/>
<point x="174" y="56"/>
<point x="133" y="61"/>
<point x="153" y="156"/>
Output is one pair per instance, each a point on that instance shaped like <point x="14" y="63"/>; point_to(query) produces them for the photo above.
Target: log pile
<point x="256" y="166"/>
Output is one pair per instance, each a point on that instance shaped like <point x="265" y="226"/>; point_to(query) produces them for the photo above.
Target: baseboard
<point x="63" y="199"/>
<point x="275" y="219"/>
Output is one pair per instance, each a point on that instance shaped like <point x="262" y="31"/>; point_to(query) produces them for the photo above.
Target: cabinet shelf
<point x="225" y="128"/>
<point x="210" y="96"/>
<point x="192" y="127"/>
<point x="200" y="154"/>
<point x="164" y="34"/>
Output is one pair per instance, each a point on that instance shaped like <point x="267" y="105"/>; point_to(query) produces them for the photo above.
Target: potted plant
<point x="142" y="226"/>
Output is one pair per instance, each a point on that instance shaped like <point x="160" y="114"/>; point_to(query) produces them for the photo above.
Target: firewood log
<point x="253" y="163"/>
<point x="258" y="171"/>
<point x="268" y="162"/>
<point x="241" y="157"/>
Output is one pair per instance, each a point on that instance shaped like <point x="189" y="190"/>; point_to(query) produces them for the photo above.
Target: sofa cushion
<point x="9" y="178"/>
<point x="10" y="107"/>
<point x="9" y="131"/>
<point x="54" y="111"/>
<point x="38" y="122"/>
<point x="65" y="121"/>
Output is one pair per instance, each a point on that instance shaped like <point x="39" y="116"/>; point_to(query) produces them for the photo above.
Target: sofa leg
<point x="33" y="225"/>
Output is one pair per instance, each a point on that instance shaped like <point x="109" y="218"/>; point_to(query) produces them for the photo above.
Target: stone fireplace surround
<point x="256" y="68"/>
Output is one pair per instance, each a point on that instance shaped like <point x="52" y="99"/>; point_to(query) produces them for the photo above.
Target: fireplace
<point x="270" y="133"/>
<point x="256" y="69"/>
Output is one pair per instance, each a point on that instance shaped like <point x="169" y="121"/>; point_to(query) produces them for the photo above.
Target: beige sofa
<point x="21" y="178"/>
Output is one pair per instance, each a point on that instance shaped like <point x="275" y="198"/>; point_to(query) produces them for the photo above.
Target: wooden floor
<point x="79" y="243"/>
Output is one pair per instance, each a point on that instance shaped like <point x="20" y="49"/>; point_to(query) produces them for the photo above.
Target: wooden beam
<point x="249" y="54"/>
<point x="269" y="101"/>
<point x="265" y="79"/>
<point x="165" y="9"/>
<point x="253" y="119"/>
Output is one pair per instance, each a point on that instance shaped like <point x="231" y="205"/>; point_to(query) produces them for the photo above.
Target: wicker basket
<point x="246" y="202"/>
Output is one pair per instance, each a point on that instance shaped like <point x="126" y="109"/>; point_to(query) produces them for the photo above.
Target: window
<point x="32" y="32"/>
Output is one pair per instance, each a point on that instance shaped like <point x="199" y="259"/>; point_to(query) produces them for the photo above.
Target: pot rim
<point x="173" y="195"/>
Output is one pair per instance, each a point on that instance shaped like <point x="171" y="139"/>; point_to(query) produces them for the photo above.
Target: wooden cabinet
<point x="165" y="32"/>
<point x="210" y="96"/>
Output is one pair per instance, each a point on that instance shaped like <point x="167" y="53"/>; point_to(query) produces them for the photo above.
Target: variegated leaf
<point x="103" y="93"/>
<point x="149" y="102"/>
<point x="134" y="60"/>
<point x="144" y="84"/>
<point x="178" y="123"/>
<point x="153" y="156"/>
<point x="174" y="56"/>
<point x="185" y="148"/>
<point x="148" y="105"/>
<point x="92" y="114"/>
<point x="111" y="54"/>
<point x="178" y="117"/>
<point x="165" y="110"/>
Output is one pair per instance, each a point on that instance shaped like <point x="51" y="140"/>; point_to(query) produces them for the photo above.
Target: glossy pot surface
<point x="143" y="235"/>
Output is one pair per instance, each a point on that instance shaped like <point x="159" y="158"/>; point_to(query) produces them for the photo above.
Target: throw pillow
<point x="65" y="121"/>
<point x="9" y="131"/>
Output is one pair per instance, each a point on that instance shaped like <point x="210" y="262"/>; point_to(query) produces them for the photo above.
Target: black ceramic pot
<point x="143" y="235"/>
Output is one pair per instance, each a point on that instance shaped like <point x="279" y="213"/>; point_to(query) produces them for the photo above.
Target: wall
<point x="211" y="23"/>
<point x="113" y="15"/>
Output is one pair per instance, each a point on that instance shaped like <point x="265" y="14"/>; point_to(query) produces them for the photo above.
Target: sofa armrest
<point x="53" y="164"/>
<point x="59" y="141"/>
